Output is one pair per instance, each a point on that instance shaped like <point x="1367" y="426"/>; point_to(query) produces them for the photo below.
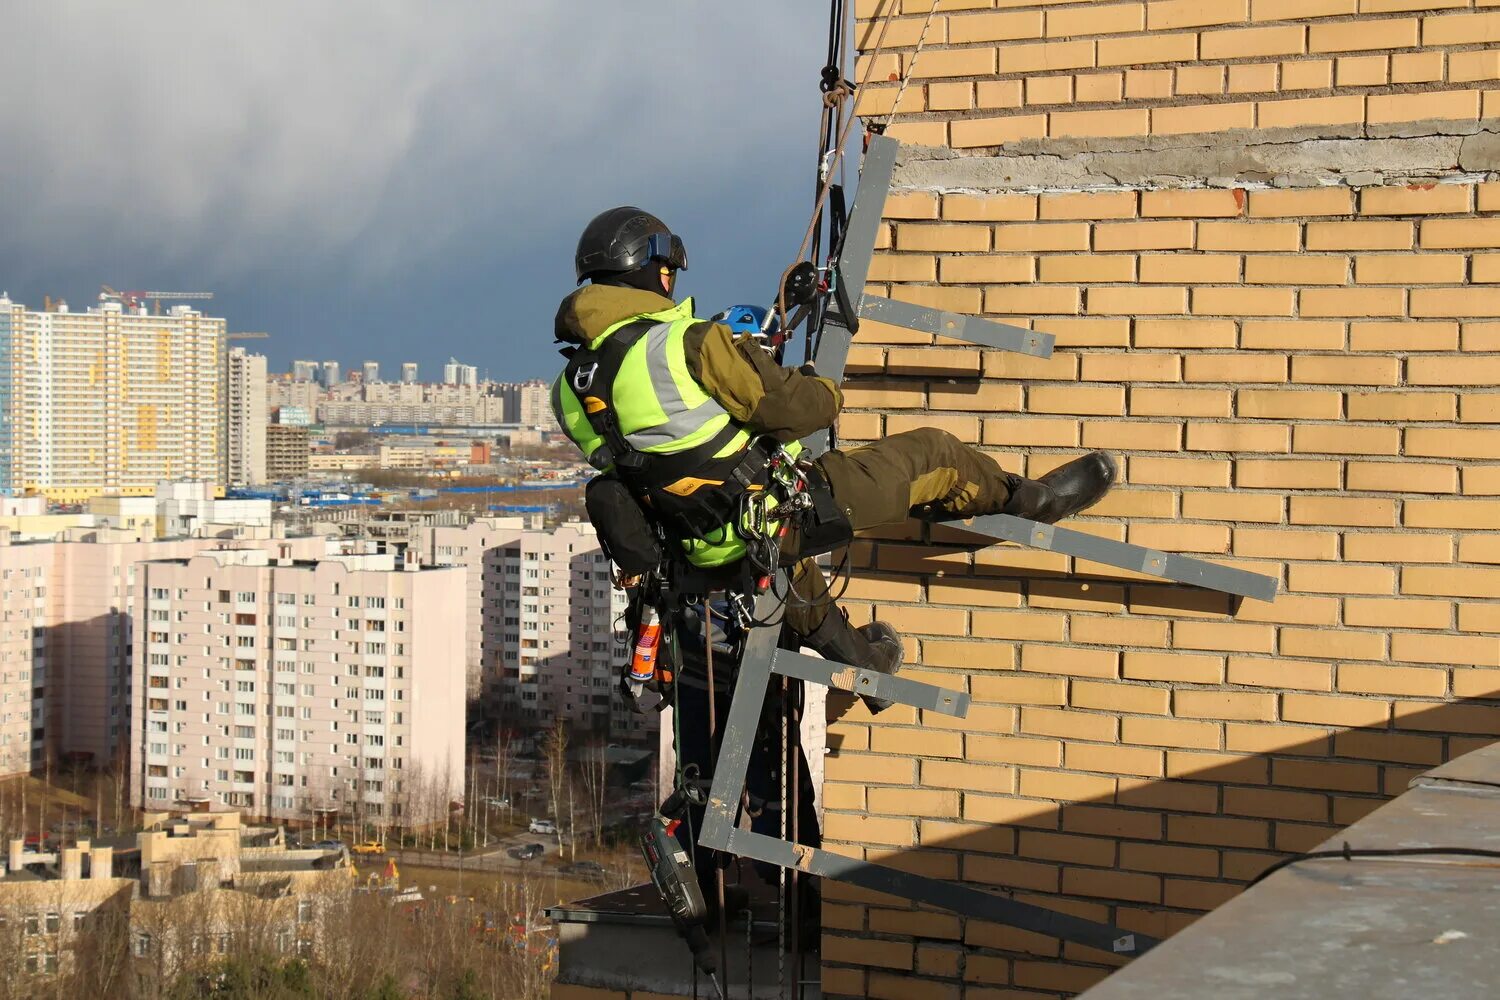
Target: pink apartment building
<point x="285" y="686"/>
<point x="541" y="616"/>
<point x="65" y="639"/>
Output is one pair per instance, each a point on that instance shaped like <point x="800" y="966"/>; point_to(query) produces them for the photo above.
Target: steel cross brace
<point x="759" y="659"/>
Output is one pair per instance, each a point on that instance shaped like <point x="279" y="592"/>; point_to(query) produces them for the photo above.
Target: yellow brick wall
<point x="1300" y="381"/>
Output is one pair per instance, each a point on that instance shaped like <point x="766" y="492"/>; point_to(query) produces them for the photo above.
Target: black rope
<point x="1347" y="853"/>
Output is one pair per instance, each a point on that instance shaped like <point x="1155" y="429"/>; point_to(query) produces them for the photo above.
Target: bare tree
<point x="555" y="759"/>
<point x="593" y="769"/>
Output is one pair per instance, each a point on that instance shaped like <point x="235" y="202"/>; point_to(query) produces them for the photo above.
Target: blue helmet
<point x="747" y="319"/>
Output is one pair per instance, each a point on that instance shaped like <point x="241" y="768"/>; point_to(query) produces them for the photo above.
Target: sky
<point x="399" y="181"/>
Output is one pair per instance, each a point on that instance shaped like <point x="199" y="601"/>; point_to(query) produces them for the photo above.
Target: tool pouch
<point x="824" y="527"/>
<point x="627" y="537"/>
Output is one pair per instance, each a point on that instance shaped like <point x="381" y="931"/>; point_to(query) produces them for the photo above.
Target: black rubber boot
<point x="874" y="647"/>
<point x="1064" y="491"/>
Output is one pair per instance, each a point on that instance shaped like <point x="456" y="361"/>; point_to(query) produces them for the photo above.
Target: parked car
<point x="329" y="845"/>
<point x="528" y="852"/>
<point x="369" y="847"/>
<point x="543" y="826"/>
<point x="590" y="870"/>
<point x="495" y="802"/>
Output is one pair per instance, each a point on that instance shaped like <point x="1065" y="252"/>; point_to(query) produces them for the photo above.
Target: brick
<point x="990" y="208"/>
<point x="1248" y="43"/>
<point x="1089" y="205"/>
<point x="1351" y="511"/>
<point x="1276" y="803"/>
<point x="1251" y="236"/>
<point x="1332" y="710"/>
<point x="1136" y="503"/>
<point x="1397" y="33"/>
<point x="1252" y="78"/>
<point x="1131" y="698"/>
<point x="1362" y="71"/>
<point x="1048" y="846"/>
<point x="1013" y="689"/>
<point x="1460" y="234"/>
<point x="1133" y="368"/>
<point x="1324" y="774"/>
<point x="1170" y="733"/>
<point x="1032" y="300"/>
<point x="1300" y="270"/>
<point x="1031" y="431"/>
<point x="1446" y="650"/>
<point x="1307" y="404"/>
<point x="982" y="270"/>
<point x="1479" y="617"/>
<point x="1099" y="87"/>
<point x="919" y="742"/>
<point x="1147" y="84"/>
<point x="1450" y="718"/>
<point x="1197" y="268"/>
<point x="1199" y="80"/>
<point x="1219" y="831"/>
<point x="1096" y="20"/>
<point x="1169" y="859"/>
<point x="950" y="96"/>
<point x="1324" y="578"/>
<point x="1066" y="660"/>
<point x="1341" y="369"/>
<point x="1426" y="336"/>
<point x="1411" y="477"/>
<point x="1237" y="705"/>
<point x="1173" y="235"/>
<point x="1353" y="302"/>
<point x="1046" y="57"/>
<point x="1411" y="269"/>
<point x="940" y="63"/>
<point x="1416" y="199"/>
<point x="1178" y="471"/>
<point x="1218" y="767"/>
<point x="1042" y="236"/>
<point x="1193" y="333"/>
<point x="1312" y="111"/>
<point x="1113" y="631"/>
<point x="1092" y="267"/>
<point x="1360" y="235"/>
<point x="1482" y="514"/>
<point x="1235" y="368"/>
<point x="1049" y="90"/>
<point x="999" y="94"/>
<point x="1165" y="14"/>
<point x="942" y="239"/>
<point x="1478" y="302"/>
<point x="968" y="777"/>
<point x="1479" y="548"/>
<point x="1253" y="507"/>
<point x="903" y="267"/>
<point x="984" y="397"/>
<point x="1485" y="268"/>
<point x="1461" y="29"/>
<point x="995" y="27"/>
<point x="1239" y="437"/>
<point x="1334" y="645"/>
<point x="1301" y="334"/>
<point x="1466" y="67"/>
<point x="970" y="133"/>
<point x="1287" y="10"/>
<point x="914" y="802"/>
<point x="1244" y="301"/>
<point x="1179" y="402"/>
<point x="1014" y="750"/>
<point x="1418" y="67"/>
<point x="1065" y="787"/>
<point x="1143" y="51"/>
<point x="1402" y="406"/>
<point x="1398" y="613"/>
<point x="862" y="951"/>
<point x="866" y="768"/>
<point x="1181" y="537"/>
<point x="1134" y="301"/>
<point x="1112" y="885"/>
<point x="1228" y="636"/>
<point x="916" y="133"/>
<point x="931" y="361"/>
<point x="1307" y="74"/>
<point x="1396" y="747"/>
<point x="1269" y="543"/>
<point x="1259" y="671"/>
<point x="1262" y="739"/>
<point x="1454" y="371"/>
<point x="1213" y="203"/>
<point x="1202" y="118"/>
<point x="1476" y="684"/>
<point x="1284" y="474"/>
<point x="1388" y="547"/>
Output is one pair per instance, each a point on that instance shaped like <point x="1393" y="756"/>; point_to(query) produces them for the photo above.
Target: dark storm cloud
<point x="397" y="180"/>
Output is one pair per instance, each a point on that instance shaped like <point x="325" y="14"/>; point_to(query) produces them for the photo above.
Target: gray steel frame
<point x="761" y="658"/>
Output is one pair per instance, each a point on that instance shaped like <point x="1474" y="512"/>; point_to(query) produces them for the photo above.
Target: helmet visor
<point x="668" y="248"/>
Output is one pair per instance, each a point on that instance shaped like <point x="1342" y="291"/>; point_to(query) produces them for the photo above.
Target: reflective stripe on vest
<point x="660" y="406"/>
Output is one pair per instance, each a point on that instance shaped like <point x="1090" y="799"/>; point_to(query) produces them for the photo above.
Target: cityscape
<point x="312" y="623"/>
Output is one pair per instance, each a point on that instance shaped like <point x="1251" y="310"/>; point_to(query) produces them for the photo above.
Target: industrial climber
<point x="692" y="420"/>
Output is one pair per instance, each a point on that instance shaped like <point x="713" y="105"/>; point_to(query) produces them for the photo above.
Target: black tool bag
<point x="823" y="527"/>
<point x="629" y="540"/>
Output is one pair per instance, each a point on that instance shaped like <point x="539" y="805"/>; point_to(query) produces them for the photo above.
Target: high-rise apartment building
<point x="409" y="373"/>
<point x="284" y="687"/>
<point x="245" y="417"/>
<point x="450" y="372"/>
<point x="331" y="376"/>
<point x="65" y="637"/>
<point x="113" y="399"/>
<point x="304" y="371"/>
<point x="10" y="314"/>
<point x="540" y="621"/>
<point x="287" y="452"/>
<point x="371" y="372"/>
<point x="534" y="401"/>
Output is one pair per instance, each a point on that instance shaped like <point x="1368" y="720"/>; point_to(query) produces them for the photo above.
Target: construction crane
<point x="257" y="335"/>
<point x="134" y="298"/>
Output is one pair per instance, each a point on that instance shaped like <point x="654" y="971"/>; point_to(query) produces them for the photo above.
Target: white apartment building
<point x="113" y="399"/>
<point x="283" y="687"/>
<point x="66" y="637"/>
<point x="245" y="418"/>
<point x="541" y="616"/>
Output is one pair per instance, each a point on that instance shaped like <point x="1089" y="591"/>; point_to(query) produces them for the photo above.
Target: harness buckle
<point x="583" y="378"/>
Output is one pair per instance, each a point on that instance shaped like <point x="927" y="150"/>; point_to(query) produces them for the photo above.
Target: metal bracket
<point x="841" y="676"/>
<point x="761" y="658"/>
<point x="970" y="329"/>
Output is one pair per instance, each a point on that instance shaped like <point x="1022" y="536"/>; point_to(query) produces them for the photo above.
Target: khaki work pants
<point x="880" y="483"/>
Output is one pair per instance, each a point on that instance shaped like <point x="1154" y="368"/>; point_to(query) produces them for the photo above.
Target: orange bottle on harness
<point x="647" y="645"/>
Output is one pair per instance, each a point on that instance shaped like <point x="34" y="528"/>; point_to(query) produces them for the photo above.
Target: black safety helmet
<point x="623" y="239"/>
